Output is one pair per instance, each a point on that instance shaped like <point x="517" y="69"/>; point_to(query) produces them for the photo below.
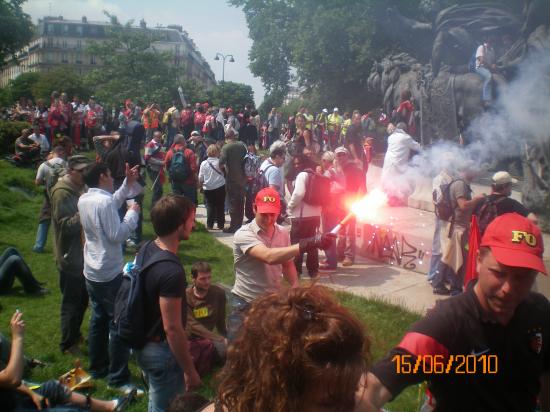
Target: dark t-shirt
<point x="354" y="137"/>
<point x="355" y="179"/>
<point x="232" y="157"/>
<point x="504" y="205"/>
<point x="483" y="365"/>
<point x="166" y="279"/>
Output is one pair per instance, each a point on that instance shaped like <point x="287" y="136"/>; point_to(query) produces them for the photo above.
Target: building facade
<point x="60" y="42"/>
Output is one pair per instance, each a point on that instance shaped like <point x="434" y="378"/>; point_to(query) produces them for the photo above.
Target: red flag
<point x="473" y="247"/>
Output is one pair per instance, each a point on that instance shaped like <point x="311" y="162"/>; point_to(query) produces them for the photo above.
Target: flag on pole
<point x="473" y="247"/>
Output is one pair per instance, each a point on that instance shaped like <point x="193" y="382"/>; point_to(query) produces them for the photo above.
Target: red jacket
<point x="189" y="157"/>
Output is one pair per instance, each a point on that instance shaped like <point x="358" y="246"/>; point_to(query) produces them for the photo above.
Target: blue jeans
<point x="347" y="240"/>
<point x="487" y="94"/>
<point x="330" y="219"/>
<point x="186" y="190"/>
<point x="12" y="265"/>
<point x="164" y="375"/>
<point x="108" y="354"/>
<point x="41" y="236"/>
<point x="235" y="320"/>
<point x="436" y="250"/>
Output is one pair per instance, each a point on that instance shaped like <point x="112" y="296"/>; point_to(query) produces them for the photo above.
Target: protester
<point x="394" y="178"/>
<point x="68" y="243"/>
<point x="334" y="121"/>
<point x="263" y="254"/>
<point x="252" y="163"/>
<point x="27" y="151"/>
<point x="154" y="160"/>
<point x="103" y="262"/>
<point x="498" y="318"/>
<point x="39" y="138"/>
<point x="272" y="169"/>
<point x="248" y="134"/>
<point x="17" y="396"/>
<point x="318" y="354"/>
<point x="13" y="266"/>
<point x="353" y="141"/>
<point x="212" y="180"/>
<point x="355" y="187"/>
<point x="274" y="121"/>
<point x="305" y="218"/>
<point x="499" y="202"/>
<point x="93" y="120"/>
<point x="150" y="119"/>
<point x="232" y="160"/>
<point x="485" y="66"/>
<point x="165" y="358"/>
<point x="47" y="175"/>
<point x="302" y="139"/>
<point x="207" y="309"/>
<point x="186" y="122"/>
<point x="171" y="120"/>
<point x="454" y="235"/>
<point x="181" y="164"/>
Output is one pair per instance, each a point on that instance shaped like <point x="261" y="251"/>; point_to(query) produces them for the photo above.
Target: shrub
<point x="9" y="131"/>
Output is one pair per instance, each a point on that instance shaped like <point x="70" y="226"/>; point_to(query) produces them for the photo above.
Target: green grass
<point x="20" y="203"/>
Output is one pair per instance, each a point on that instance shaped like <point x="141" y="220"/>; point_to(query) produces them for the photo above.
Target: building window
<point x="65" y="29"/>
<point x="50" y="28"/>
<point x="64" y="43"/>
<point x="50" y="42"/>
<point x="79" y="44"/>
<point x="78" y="58"/>
<point x="92" y="59"/>
<point x="64" y="58"/>
<point x="79" y="30"/>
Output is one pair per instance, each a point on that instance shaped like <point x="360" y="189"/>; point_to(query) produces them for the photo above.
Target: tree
<point x="235" y="95"/>
<point x="194" y="91"/>
<point x="23" y="84"/>
<point x="16" y="28"/>
<point x="61" y="79"/>
<point x="131" y="67"/>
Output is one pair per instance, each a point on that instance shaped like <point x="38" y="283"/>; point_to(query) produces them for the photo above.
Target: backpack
<point x="317" y="188"/>
<point x="259" y="182"/>
<point x="251" y="165"/>
<point x="487" y="213"/>
<point x="129" y="309"/>
<point x="167" y="116"/>
<point x="57" y="170"/>
<point x="444" y="209"/>
<point x="179" y="170"/>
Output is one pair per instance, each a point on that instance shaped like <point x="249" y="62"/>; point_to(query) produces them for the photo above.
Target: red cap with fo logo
<point x="515" y="241"/>
<point x="268" y="201"/>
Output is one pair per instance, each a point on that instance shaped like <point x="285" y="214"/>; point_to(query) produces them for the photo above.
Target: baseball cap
<point x="335" y="109"/>
<point x="79" y="162"/>
<point x="502" y="178"/>
<point x="195" y="133"/>
<point x="268" y="201"/>
<point x="325" y="111"/>
<point x="515" y="241"/>
<point x="341" y="149"/>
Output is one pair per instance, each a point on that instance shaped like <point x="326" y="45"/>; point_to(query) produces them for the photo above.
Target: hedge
<point x="9" y="131"/>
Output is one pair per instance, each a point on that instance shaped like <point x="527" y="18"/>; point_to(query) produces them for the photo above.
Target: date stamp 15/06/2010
<point x="451" y="364"/>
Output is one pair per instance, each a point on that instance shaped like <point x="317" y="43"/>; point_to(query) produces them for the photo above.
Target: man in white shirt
<point x="39" y="138"/>
<point x="103" y="263"/>
<point x="394" y="182"/>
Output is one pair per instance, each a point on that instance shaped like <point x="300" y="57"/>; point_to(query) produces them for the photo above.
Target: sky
<point x="213" y="25"/>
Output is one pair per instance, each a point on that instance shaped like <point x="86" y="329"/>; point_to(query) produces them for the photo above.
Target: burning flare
<point x="365" y="209"/>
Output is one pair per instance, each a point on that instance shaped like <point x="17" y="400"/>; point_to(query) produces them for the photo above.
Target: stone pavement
<point x="393" y="257"/>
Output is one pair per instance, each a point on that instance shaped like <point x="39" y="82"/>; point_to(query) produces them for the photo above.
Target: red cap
<point x="268" y="201"/>
<point x="515" y="241"/>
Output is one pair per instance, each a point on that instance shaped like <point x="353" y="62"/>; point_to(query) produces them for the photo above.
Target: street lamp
<point x="231" y="60"/>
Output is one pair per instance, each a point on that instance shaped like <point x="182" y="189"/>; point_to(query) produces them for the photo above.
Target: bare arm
<point x="464" y="204"/>
<point x="275" y="255"/>
<point x="545" y="392"/>
<point x="11" y="376"/>
<point x="290" y="273"/>
<point x="373" y="397"/>
<point x="170" y="309"/>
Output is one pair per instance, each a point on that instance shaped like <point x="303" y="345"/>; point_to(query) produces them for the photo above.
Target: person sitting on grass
<point x="15" y="395"/>
<point x="12" y="265"/>
<point x="299" y="350"/>
<point x="206" y="303"/>
<point x="27" y="150"/>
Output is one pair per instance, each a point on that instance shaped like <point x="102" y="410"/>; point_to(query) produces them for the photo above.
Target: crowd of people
<point x="280" y="348"/>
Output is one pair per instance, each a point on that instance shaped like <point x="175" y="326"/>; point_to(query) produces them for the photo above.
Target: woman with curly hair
<point x="299" y="350"/>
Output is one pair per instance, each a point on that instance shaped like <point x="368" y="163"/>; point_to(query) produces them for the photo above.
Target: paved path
<point x="391" y="282"/>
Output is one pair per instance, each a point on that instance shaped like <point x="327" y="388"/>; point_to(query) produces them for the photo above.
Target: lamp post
<point x="231" y="60"/>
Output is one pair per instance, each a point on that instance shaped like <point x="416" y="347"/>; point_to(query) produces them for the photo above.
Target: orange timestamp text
<point x="451" y="364"/>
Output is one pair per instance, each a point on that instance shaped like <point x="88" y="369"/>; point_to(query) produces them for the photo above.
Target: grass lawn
<point x="20" y="203"/>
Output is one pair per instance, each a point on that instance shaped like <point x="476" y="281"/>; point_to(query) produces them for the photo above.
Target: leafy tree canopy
<point x="62" y="80"/>
<point x="22" y="85"/>
<point x="16" y="28"/>
<point x="231" y="94"/>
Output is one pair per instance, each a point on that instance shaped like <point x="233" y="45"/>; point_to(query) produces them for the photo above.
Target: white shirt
<point x="274" y="176"/>
<point x="210" y="174"/>
<point x="400" y="145"/>
<point x="103" y="259"/>
<point x="45" y="169"/>
<point x="42" y="141"/>
<point x="296" y="200"/>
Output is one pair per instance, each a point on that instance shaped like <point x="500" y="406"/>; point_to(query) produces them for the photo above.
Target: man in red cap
<point x="487" y="349"/>
<point x="263" y="254"/>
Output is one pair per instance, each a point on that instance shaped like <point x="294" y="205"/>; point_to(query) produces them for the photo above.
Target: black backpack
<point x="317" y="188"/>
<point x="259" y="182"/>
<point x="444" y="209"/>
<point x="129" y="311"/>
<point x="488" y="212"/>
